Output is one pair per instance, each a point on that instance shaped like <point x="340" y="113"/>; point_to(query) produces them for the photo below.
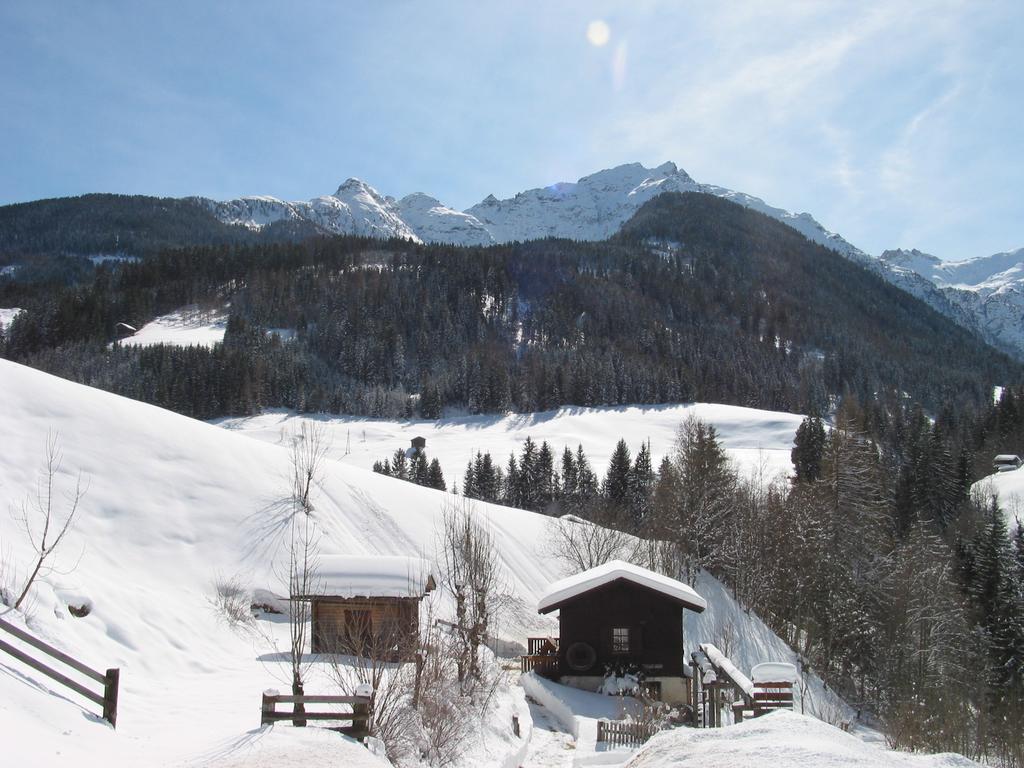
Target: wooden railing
<point x="544" y="664"/>
<point x="771" y="696"/>
<point x="536" y="646"/>
<point x="622" y="734"/>
<point x="359" y="715"/>
<point x="109" y="680"/>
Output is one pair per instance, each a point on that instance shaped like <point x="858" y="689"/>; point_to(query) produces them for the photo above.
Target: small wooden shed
<point x="369" y="605"/>
<point x="622" y="616"/>
<point x="419" y="443"/>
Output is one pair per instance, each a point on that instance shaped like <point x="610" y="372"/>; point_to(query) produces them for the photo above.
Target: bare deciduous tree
<point x="472" y="575"/>
<point x="44" y="526"/>
<point x="581" y="544"/>
<point x="303" y="582"/>
<point x="308" y="454"/>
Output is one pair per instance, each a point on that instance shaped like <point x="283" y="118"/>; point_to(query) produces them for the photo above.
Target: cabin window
<point x="620" y="640"/>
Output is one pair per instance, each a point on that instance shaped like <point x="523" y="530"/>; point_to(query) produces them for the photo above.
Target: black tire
<point x="580" y="657"/>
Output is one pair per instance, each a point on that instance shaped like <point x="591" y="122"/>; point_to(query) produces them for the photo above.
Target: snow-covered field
<point x="7" y="315"/>
<point x="172" y="506"/>
<point x="1009" y="488"/>
<point x="188" y="326"/>
<point x="754" y="438"/>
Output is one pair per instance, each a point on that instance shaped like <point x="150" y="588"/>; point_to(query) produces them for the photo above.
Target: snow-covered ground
<point x="7" y="315"/>
<point x="781" y="740"/>
<point x="753" y="438"/>
<point x="174" y="505"/>
<point x="188" y="326"/>
<point x="1009" y="488"/>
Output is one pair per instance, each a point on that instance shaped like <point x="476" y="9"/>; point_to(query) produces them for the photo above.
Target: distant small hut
<point x="123" y="330"/>
<point x="1006" y="462"/>
<point x="368" y="606"/>
<point x="622" y="616"/>
<point x="419" y="443"/>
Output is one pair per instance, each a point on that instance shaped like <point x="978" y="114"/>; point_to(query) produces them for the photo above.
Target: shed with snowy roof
<point x="622" y="619"/>
<point x="368" y="605"/>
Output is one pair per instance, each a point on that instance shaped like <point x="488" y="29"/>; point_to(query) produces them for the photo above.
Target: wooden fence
<point x="110" y="680"/>
<point x="622" y="734"/>
<point x="360" y="714"/>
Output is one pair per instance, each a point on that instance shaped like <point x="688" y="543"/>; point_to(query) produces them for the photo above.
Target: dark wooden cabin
<point x="419" y="443"/>
<point x="368" y="606"/>
<point x="620" y="616"/>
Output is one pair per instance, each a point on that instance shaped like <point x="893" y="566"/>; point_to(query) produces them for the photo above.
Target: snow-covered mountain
<point x="985" y="294"/>
<point x="355" y="209"/>
<point x="593" y="208"/>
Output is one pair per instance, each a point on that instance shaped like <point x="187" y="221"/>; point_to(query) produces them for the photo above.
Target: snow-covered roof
<point x="1006" y="457"/>
<point x="373" y="576"/>
<point x="614" y="570"/>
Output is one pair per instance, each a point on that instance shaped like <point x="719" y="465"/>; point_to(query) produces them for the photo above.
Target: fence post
<point x="361" y="711"/>
<point x="269" y="708"/>
<point x="110" y="685"/>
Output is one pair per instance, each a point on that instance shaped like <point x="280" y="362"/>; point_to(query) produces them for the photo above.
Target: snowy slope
<point x="173" y="505"/>
<point x="434" y="222"/>
<point x="754" y="439"/>
<point x="7" y="316"/>
<point x="188" y="326"/>
<point x="1009" y="488"/>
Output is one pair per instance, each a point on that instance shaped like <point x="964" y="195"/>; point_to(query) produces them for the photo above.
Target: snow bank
<point x="782" y="740"/>
<point x="614" y="570"/>
<point x="575" y="710"/>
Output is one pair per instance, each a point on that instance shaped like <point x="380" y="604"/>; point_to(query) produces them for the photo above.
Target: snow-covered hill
<point x="756" y="440"/>
<point x="172" y="506"/>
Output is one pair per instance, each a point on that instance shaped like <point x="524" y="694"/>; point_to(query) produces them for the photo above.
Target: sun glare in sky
<point x="598" y="32"/>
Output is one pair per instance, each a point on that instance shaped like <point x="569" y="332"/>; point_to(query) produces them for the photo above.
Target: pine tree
<point x="641" y="487"/>
<point x="809" y="445"/>
<point x="435" y="477"/>
<point x="399" y="465"/>
<point x="616" y="481"/>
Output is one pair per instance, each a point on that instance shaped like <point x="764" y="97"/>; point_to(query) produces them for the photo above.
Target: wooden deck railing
<point x="109" y="680"/>
<point x="770" y="696"/>
<point x="622" y="734"/>
<point x="359" y="715"/>
<point x="544" y="664"/>
<point x="536" y="646"/>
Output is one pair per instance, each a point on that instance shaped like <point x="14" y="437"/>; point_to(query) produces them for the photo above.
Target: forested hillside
<point x="133" y="224"/>
<point x="697" y="299"/>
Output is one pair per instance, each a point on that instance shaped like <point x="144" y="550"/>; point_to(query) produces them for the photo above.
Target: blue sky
<point x="895" y="124"/>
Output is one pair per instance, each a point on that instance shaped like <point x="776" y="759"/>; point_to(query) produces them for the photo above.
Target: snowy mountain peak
<point x="354" y="186"/>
